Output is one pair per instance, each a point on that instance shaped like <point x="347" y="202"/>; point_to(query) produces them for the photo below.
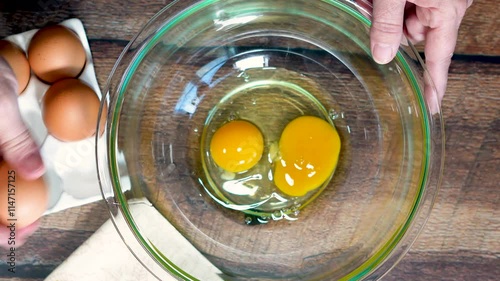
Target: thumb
<point x="387" y="29"/>
<point x="16" y="145"/>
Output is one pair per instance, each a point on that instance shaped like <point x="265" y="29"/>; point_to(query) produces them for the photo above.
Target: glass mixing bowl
<point x="199" y="64"/>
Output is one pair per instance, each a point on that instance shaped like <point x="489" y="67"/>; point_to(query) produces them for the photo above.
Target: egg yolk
<point x="237" y="146"/>
<point x="309" y="149"/>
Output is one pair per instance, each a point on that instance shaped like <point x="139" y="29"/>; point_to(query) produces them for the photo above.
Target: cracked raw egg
<point x="307" y="155"/>
<point x="309" y="148"/>
<point x="237" y="146"/>
<point x="268" y="149"/>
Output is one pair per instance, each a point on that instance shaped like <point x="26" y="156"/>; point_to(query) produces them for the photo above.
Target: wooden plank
<point x="461" y="239"/>
<point x="107" y="19"/>
<point x="479" y="33"/>
<point x="462" y="236"/>
<point x="452" y="266"/>
<point x="58" y="236"/>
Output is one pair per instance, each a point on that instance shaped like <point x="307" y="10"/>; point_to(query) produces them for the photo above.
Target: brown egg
<point x="21" y="201"/>
<point x="17" y="60"/>
<point x="70" y="110"/>
<point x="56" y="53"/>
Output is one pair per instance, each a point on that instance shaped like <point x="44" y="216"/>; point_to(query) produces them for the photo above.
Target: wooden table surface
<point x="461" y="240"/>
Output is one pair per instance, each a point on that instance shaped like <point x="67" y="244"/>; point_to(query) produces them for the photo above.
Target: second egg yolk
<point x="309" y="149"/>
<point x="237" y="146"/>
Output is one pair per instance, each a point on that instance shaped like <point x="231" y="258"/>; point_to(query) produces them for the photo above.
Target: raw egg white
<point x="17" y="60"/>
<point x="70" y="110"/>
<point x="29" y="198"/>
<point x="55" y="53"/>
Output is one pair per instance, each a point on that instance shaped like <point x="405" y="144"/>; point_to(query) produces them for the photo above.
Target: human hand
<point x="16" y="145"/>
<point x="434" y="21"/>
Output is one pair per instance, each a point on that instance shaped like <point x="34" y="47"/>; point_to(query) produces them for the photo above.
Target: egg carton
<point x="71" y="172"/>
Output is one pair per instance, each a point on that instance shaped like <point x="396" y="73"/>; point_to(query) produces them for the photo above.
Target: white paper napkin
<point x="104" y="256"/>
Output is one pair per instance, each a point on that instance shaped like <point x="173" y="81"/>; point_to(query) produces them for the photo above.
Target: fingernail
<point x="32" y="166"/>
<point x="382" y="53"/>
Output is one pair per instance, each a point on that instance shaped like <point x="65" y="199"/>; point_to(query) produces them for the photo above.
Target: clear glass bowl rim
<point x="374" y="268"/>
